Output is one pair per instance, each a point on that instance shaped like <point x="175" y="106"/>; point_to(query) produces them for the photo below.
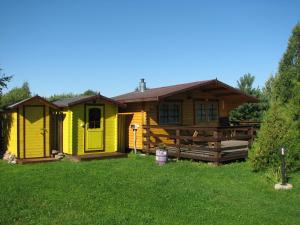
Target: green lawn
<point x="136" y="191"/>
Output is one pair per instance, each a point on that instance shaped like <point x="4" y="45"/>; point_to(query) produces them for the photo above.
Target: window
<point x="170" y="113"/>
<point x="200" y="112"/>
<point x="206" y="111"/>
<point x="212" y="111"/>
<point x="94" y="118"/>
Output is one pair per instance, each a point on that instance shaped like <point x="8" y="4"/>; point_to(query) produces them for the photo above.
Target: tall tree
<point x="289" y="69"/>
<point x="245" y="84"/>
<point x="267" y="90"/>
<point x="90" y="92"/>
<point x="287" y="84"/>
<point x="4" y="79"/>
<point x="56" y="97"/>
<point x="248" y="111"/>
<point x="16" y="94"/>
<point x="281" y="124"/>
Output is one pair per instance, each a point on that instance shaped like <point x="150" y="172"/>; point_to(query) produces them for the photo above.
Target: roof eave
<point x="16" y="105"/>
<point x="152" y="99"/>
<point x="95" y="97"/>
<point x="186" y="89"/>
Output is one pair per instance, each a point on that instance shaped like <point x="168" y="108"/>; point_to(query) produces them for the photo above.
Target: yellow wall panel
<point x="21" y="132"/>
<point x="67" y="127"/>
<point x="11" y="119"/>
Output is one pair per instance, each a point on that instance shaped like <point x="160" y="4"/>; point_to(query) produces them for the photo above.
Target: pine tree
<point x="248" y="111"/>
<point x="289" y="69"/>
<point x="281" y="124"/>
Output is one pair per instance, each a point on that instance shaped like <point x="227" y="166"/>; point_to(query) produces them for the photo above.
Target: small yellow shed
<point x="90" y="125"/>
<point x="28" y="128"/>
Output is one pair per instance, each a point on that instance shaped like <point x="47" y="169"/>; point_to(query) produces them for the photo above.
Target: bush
<point x="277" y="130"/>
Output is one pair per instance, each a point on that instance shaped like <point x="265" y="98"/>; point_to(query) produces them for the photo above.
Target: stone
<point x="61" y="154"/>
<point x="11" y="158"/>
<point x="280" y="186"/>
<point x="6" y="155"/>
<point x="54" y="152"/>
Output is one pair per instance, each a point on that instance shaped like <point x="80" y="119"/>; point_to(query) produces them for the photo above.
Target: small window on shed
<point x="94" y="118"/>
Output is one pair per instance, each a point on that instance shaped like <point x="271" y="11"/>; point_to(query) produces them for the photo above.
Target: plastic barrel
<point x="161" y="157"/>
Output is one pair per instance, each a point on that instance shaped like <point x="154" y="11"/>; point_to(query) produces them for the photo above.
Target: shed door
<point x="94" y="128"/>
<point x="34" y="145"/>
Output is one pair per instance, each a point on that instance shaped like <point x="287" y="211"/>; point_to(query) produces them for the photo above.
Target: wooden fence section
<point x="215" y="144"/>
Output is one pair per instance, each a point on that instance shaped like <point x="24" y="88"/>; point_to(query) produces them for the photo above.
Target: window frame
<point x="96" y="123"/>
<point x="206" y="103"/>
<point x="168" y="103"/>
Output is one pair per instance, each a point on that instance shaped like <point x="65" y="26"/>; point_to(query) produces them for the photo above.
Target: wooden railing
<point x="255" y="124"/>
<point x="195" y="137"/>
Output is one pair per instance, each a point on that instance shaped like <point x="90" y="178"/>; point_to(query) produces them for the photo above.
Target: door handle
<point x="43" y="130"/>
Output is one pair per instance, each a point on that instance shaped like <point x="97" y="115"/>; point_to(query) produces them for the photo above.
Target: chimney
<point x="142" y="85"/>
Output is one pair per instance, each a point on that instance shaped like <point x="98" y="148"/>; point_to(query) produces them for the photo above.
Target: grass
<point x="136" y="191"/>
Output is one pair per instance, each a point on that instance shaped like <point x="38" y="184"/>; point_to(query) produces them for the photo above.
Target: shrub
<point x="277" y="130"/>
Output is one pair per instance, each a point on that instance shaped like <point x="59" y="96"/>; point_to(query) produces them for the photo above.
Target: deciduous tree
<point x="4" y="79"/>
<point x="16" y="94"/>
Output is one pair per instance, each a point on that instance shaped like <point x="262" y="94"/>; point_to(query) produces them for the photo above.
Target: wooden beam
<point x="213" y="89"/>
<point x="227" y="94"/>
<point x="178" y="143"/>
<point x="125" y="113"/>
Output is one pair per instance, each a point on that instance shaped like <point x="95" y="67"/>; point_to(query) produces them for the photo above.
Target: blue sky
<point x="71" y="46"/>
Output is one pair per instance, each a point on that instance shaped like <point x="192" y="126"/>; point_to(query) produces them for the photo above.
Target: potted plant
<point x="161" y="154"/>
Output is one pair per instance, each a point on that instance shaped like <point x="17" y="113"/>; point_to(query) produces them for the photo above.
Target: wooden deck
<point x="36" y="160"/>
<point x="212" y="144"/>
<point x="231" y="150"/>
<point x="99" y="156"/>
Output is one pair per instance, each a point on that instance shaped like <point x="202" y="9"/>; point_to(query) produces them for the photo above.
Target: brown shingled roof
<point x="82" y="99"/>
<point x="36" y="97"/>
<point x="155" y="94"/>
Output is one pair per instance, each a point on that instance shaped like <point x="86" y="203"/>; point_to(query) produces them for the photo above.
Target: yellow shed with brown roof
<point x="90" y="125"/>
<point x="27" y="127"/>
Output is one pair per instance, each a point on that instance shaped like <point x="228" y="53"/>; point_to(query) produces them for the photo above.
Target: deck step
<point x="36" y="160"/>
<point x="105" y="155"/>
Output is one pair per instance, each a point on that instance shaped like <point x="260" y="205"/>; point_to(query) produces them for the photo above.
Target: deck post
<point x="251" y="134"/>
<point x="217" y="146"/>
<point x="178" y="143"/>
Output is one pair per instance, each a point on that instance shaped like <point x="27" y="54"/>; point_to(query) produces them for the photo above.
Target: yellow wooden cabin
<point x="27" y="125"/>
<point x="182" y="116"/>
<point x="89" y="124"/>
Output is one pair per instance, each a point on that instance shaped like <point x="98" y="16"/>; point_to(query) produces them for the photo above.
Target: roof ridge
<point x="167" y="86"/>
<point x="66" y="102"/>
<point x="31" y="98"/>
<point x="74" y="97"/>
<point x="199" y="81"/>
<point x="154" y="94"/>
